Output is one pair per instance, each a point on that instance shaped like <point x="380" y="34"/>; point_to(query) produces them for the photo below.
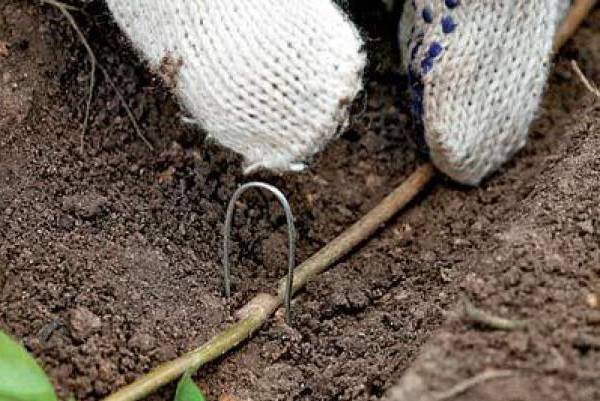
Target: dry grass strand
<point x="66" y="9"/>
<point x="590" y="86"/>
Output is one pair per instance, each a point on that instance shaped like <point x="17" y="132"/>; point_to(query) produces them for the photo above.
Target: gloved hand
<point x="269" y="79"/>
<point x="477" y="70"/>
<point x="273" y="79"/>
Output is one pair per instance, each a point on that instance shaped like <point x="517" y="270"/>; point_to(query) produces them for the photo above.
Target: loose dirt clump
<point x="110" y="260"/>
<point x="169" y="69"/>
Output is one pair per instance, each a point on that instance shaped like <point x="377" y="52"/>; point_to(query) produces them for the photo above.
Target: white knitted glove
<point x="477" y="70"/>
<point x="269" y="79"/>
<point x="272" y="79"/>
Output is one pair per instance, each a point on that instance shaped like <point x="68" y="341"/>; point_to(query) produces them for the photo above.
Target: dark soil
<point x="110" y="260"/>
<point x="541" y="264"/>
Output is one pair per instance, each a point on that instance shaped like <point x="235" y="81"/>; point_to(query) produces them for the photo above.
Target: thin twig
<point x="255" y="314"/>
<point x="466" y="385"/>
<point x="494" y="322"/>
<point x="579" y="11"/>
<point x="590" y="86"/>
<point x="61" y="5"/>
<point x="134" y="122"/>
<point x="65" y="10"/>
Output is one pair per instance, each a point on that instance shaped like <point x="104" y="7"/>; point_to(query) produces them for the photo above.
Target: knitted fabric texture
<point x="477" y="70"/>
<point x="269" y="79"/>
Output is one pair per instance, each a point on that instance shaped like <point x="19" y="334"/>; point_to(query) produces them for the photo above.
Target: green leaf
<point x="187" y="390"/>
<point x="21" y="378"/>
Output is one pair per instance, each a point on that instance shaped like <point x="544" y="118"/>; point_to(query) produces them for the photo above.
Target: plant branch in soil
<point x="254" y="315"/>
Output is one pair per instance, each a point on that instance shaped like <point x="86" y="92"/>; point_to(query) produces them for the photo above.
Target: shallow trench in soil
<point x="110" y="260"/>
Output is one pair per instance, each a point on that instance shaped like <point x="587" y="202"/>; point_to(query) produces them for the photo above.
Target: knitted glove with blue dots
<point x="477" y="70"/>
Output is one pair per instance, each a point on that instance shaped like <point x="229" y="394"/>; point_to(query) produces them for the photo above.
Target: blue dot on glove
<point x="427" y="15"/>
<point x="448" y="24"/>
<point x="435" y="49"/>
<point x="427" y="64"/>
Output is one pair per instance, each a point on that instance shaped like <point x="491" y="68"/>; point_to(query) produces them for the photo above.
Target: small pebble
<point x="83" y="323"/>
<point x="592" y="300"/>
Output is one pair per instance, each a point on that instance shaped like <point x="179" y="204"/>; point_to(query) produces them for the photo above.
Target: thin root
<point x="65" y="10"/>
<point x="590" y="86"/>
<point x="462" y="387"/>
<point x="494" y="322"/>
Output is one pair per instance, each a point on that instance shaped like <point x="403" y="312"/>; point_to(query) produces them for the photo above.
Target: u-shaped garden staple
<point x="291" y="237"/>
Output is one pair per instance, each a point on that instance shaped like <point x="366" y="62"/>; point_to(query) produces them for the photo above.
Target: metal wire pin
<point x="291" y="237"/>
